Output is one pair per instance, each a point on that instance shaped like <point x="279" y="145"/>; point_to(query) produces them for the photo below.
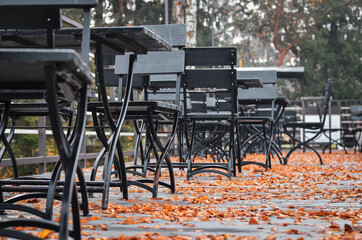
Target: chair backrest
<point x="268" y="92"/>
<point x="356" y="112"/>
<point x="173" y="34"/>
<point x="289" y="116"/>
<point x="327" y="97"/>
<point x="164" y="62"/>
<point x="266" y="76"/>
<point x="29" y="17"/>
<point x="210" y="70"/>
<point x="167" y="63"/>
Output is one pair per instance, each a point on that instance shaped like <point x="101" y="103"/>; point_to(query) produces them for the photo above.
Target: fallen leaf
<point x="271" y="237"/>
<point x="44" y="234"/>
<point x="253" y="221"/>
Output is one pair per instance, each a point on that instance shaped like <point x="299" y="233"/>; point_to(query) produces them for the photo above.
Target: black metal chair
<point x="315" y="128"/>
<point x="356" y="116"/>
<point x="161" y="88"/>
<point x="212" y="137"/>
<point x="288" y="116"/>
<point x="211" y="80"/>
<point x="258" y="131"/>
<point x="149" y="112"/>
<point x="53" y="75"/>
<point x="257" y="126"/>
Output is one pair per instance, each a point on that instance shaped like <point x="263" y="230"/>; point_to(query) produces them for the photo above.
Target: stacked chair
<point x="260" y="111"/>
<point x="145" y="113"/>
<point x="208" y="72"/>
<point x="60" y="77"/>
<point x="356" y="115"/>
<point x="353" y="130"/>
<point x="315" y="128"/>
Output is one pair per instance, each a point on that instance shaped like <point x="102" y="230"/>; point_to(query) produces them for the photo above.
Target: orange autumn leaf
<point x="20" y="228"/>
<point x="94" y="218"/>
<point x="85" y="233"/>
<point x="45" y="233"/>
<point x="181" y="238"/>
<point x="271" y="237"/>
<point x="334" y="225"/>
<point x="104" y="227"/>
<point x="175" y="198"/>
<point x="253" y="221"/>
<point x="354" y="221"/>
<point x="292" y="231"/>
<point x="128" y="221"/>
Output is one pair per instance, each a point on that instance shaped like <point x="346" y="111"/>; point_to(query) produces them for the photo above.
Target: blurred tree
<point x="136" y="12"/>
<point x="212" y="23"/>
<point x="334" y="50"/>
<point x="310" y="33"/>
<point x="29" y="148"/>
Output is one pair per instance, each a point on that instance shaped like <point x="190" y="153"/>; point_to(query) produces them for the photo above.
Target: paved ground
<point x="303" y="200"/>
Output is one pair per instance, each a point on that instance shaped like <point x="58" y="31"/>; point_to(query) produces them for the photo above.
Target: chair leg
<point x="305" y="145"/>
<point x="164" y="155"/>
<point x="189" y="159"/>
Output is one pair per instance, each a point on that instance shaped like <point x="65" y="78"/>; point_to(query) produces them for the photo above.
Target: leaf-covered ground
<point x="301" y="200"/>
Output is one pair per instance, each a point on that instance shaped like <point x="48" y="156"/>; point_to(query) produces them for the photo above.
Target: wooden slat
<point x="152" y="63"/>
<point x="210" y="56"/>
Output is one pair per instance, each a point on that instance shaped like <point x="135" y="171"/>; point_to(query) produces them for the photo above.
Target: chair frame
<point x="200" y="78"/>
<point x="317" y="127"/>
<point x="51" y="62"/>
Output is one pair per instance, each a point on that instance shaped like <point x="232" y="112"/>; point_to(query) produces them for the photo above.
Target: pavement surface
<point x="303" y="200"/>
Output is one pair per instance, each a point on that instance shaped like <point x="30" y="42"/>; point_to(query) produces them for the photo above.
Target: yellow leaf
<point x="44" y="234"/>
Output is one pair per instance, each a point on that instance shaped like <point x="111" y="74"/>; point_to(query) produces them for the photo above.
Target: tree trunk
<point x="282" y="55"/>
<point x="98" y="16"/>
<point x="191" y="22"/>
<point x="178" y="11"/>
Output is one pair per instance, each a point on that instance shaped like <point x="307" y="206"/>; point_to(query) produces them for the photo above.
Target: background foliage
<point x="321" y="35"/>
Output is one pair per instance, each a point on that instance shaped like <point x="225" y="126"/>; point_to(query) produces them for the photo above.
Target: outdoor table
<point x="109" y="40"/>
<point x="267" y="95"/>
<point x="50" y="74"/>
<point x="116" y="40"/>
<point x="138" y="40"/>
<point x="282" y="72"/>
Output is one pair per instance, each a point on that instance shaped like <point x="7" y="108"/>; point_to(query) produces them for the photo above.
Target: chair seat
<point x="208" y="116"/>
<point x="355" y="130"/>
<point x="213" y="123"/>
<point x="39" y="109"/>
<point x="306" y="125"/>
<point x="136" y="107"/>
<point x="29" y="83"/>
<point x="254" y="120"/>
